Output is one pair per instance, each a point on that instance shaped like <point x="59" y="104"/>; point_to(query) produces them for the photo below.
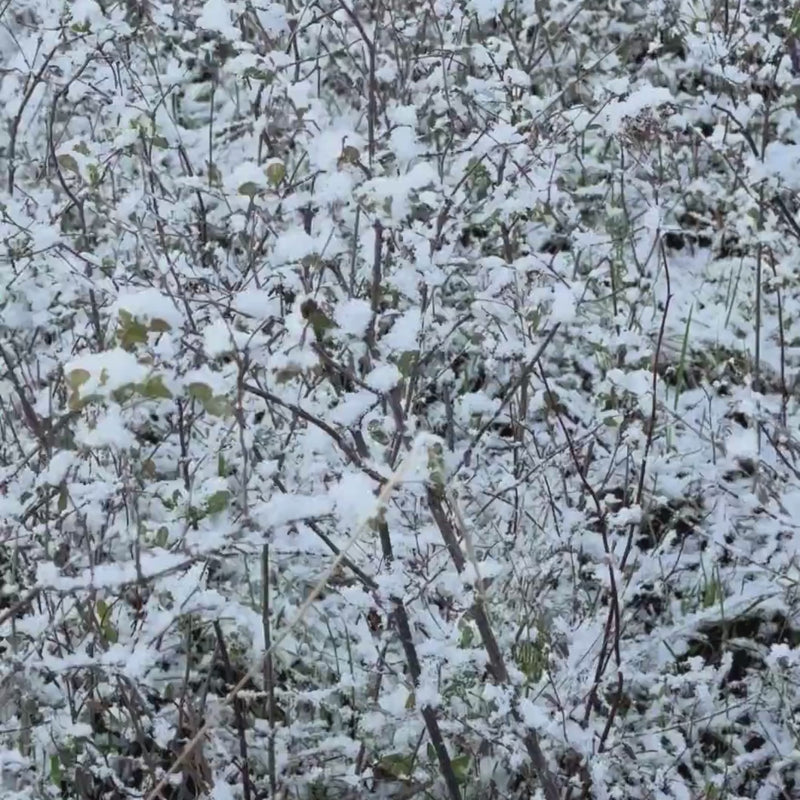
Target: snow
<point x="87" y="11"/>
<point x="638" y="100"/>
<point x="107" y="371"/>
<point x="402" y="337"/>
<point x="781" y="161"/>
<point x="284" y="509"/>
<point x="220" y="338"/>
<point x="255" y="303"/>
<point x="352" y="408"/>
<point x="149" y="304"/>
<point x="246" y="173"/>
<point x="109" y="430"/>
<point x="356" y="500"/>
<point x="521" y="177"/>
<point x="326" y="147"/>
<point x="404" y="144"/>
<point x="403" y="115"/>
<point x="216" y="16"/>
<point x="486" y="10"/>
<point x="384" y="378"/>
<point x="564" y="307"/>
<point x="294" y="246"/>
<point x="395" y="702"/>
<point x="742" y="444"/>
<point x="272" y="18"/>
<point x="109" y="576"/>
<point x="353" y="316"/>
<point x="57" y="469"/>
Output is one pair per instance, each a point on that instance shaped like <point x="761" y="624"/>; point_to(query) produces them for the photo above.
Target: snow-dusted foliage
<point x="399" y="399"/>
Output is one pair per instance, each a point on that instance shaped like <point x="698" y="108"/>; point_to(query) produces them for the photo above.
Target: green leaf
<point x="217" y="405"/>
<point x="259" y="74"/>
<point x="460" y="766"/>
<point x="68" y="162"/>
<point x="77" y="377"/>
<point x="531" y="660"/>
<point x="106" y="627"/>
<point x="376" y="432"/>
<point x="249" y="189"/>
<point x="55" y="770"/>
<point x="130" y="331"/>
<point x="285" y="375"/>
<point x="124" y="393"/>
<point x="467" y="635"/>
<point x="398" y="765"/>
<point x="406" y="362"/>
<point x="159" y="325"/>
<point x="200" y="392"/>
<point x="276" y="172"/>
<point x="350" y="155"/>
<point x="153" y="388"/>
<point x="320" y="322"/>
<point x="222" y="467"/>
<point x="63" y="496"/>
<point x="217" y="502"/>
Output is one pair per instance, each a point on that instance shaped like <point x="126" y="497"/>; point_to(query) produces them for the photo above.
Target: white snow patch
<point x="108" y="431"/>
<point x="117" y="367"/>
<point x="57" y="468"/>
<point x="216" y="16"/>
<point x="353" y="316"/>
<point x="149" y="304"/>
<point x="781" y="161"/>
<point x="293" y="246"/>
<point x="394" y="702"/>
<point x="86" y="11"/>
<point x="742" y="444"/>
<point x="564" y="306"/>
<point x="486" y="10"/>
<point x="248" y="172"/>
<point x="254" y="302"/>
<point x="403" y="335"/>
<point x="384" y="378"/>
<point x="355" y="499"/>
<point x="403" y="115"/>
<point x="404" y="144"/>
<point x="638" y="100"/>
<point x="285" y="508"/>
<point x="352" y="408"/>
<point x="273" y="18"/>
<point x="219" y="338"/>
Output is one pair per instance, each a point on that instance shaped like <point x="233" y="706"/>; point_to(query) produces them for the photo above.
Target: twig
<point x="508" y="393"/>
<point x="350" y="452"/>
<point x="269" y="676"/>
<point x="436" y="500"/>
